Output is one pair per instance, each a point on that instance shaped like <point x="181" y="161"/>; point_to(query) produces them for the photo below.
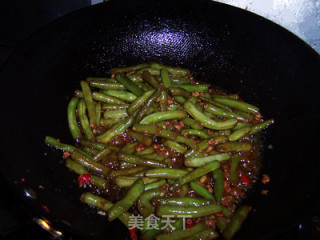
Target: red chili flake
<point x="245" y="179"/>
<point x="142" y="207"/>
<point x="140" y="147"/>
<point x="240" y="121"/>
<point x="190" y="223"/>
<point x="133" y="234"/>
<point x="44" y="207"/>
<point x="84" y="179"/>
<point x="219" y="214"/>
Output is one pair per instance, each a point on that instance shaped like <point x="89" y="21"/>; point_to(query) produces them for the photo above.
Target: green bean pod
<point x="96" y="201"/>
<point x="202" y="191"/>
<point x="166" y="173"/>
<point x="194" y="132"/>
<point x="193" y="212"/>
<point x="115" y="130"/>
<point x="64" y="147"/>
<point x="110" y="121"/>
<point x="182" y="201"/>
<point x="178" y="91"/>
<point x="193" y="87"/>
<point x="89" y="102"/>
<point x="115" y="114"/>
<point x="100" y="155"/>
<point x="187" y="141"/>
<point x="114" y="106"/>
<point x="86" y="162"/>
<point x="154" y="185"/>
<point x="194" y="124"/>
<point x="103" y="85"/>
<point x="223" y="112"/>
<point x="242" y="106"/>
<point x="243" y="146"/>
<point x="200" y="161"/>
<point x="145" y="140"/>
<point x="84" y="120"/>
<point x="236" y="221"/>
<point x="195" y="151"/>
<point x="99" y="96"/>
<point x="197" y="173"/>
<point x="123" y="95"/>
<point x="126" y="202"/>
<point x="144" y="205"/>
<point x="148" y="105"/>
<point x="130" y="85"/>
<point x="129" y="69"/>
<point x="172" y="70"/>
<point x="141" y="161"/>
<point x="259" y="126"/>
<point x="147" y="77"/>
<point x="76" y="167"/>
<point x="164" y="73"/>
<point x="154" y="130"/>
<point x="174" y="146"/>
<point x="125" y="181"/>
<point x="207" y="122"/>
<point x="163" y="104"/>
<point x="163" y="116"/>
<point x="98" y="112"/>
<point x="72" y="118"/>
<point x="179" y="80"/>
<point x="238" y="134"/>
<point x="234" y="174"/>
<point x="127" y="172"/>
<point x="218" y="184"/>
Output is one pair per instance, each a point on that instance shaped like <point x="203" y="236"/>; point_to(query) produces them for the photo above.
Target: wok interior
<point x="228" y="47"/>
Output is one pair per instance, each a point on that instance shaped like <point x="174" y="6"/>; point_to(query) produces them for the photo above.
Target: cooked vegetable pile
<point x="162" y="152"/>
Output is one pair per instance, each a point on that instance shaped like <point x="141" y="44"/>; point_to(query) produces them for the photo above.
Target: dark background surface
<point x="19" y="20"/>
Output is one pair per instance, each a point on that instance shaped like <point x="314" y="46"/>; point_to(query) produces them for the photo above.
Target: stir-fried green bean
<point x="86" y="162"/>
<point x="115" y="130"/>
<point x="130" y="85"/>
<point x="200" y="211"/>
<point x="64" y="147"/>
<point x="207" y="122"/>
<point x="218" y="184"/>
<point x="162" y="116"/>
<point x="140" y="161"/>
<point x="199" y="172"/>
<point x="154" y="130"/>
<point x="200" y="161"/>
<point x="167" y="145"/>
<point x="84" y="120"/>
<point x="123" y="95"/>
<point x="201" y="191"/>
<point x="125" y="203"/>
<point x="236" y="221"/>
<point x="242" y="106"/>
<point x="89" y="102"/>
<point x="96" y="201"/>
<point x="72" y="118"/>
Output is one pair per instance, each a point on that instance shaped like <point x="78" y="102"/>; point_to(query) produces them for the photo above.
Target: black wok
<point x="237" y="50"/>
